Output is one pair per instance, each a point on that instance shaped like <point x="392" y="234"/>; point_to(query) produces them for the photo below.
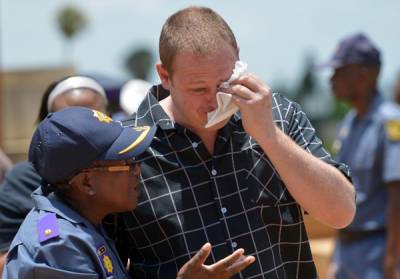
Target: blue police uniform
<point x="55" y="241"/>
<point x="370" y="146"/>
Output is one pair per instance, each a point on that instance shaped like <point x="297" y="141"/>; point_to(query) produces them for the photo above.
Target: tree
<point x="139" y="63"/>
<point x="71" y="21"/>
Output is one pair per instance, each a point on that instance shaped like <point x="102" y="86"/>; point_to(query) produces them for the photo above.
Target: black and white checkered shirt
<point x="233" y="198"/>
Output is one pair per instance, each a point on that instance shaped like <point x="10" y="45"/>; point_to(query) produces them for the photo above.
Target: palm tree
<point x="71" y="21"/>
<point x="139" y="63"/>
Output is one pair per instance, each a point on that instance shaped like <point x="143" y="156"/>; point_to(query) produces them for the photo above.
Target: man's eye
<point x="199" y="91"/>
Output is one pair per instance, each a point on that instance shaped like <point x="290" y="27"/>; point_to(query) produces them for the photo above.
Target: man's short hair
<point x="197" y="30"/>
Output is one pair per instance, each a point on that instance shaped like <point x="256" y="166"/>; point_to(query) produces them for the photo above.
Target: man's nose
<point x="212" y="99"/>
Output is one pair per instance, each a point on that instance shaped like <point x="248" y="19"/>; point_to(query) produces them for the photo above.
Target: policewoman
<point x="85" y="161"/>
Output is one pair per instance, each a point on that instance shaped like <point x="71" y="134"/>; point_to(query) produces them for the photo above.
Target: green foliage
<point x="139" y="63"/>
<point x="71" y="21"/>
<point x="340" y="110"/>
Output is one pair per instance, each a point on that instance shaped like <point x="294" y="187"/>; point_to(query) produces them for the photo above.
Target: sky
<point x="274" y="36"/>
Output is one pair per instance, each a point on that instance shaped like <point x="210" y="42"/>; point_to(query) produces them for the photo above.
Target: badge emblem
<point x="101" y="116"/>
<point x="105" y="259"/>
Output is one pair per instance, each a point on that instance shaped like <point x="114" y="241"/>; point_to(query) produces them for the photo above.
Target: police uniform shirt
<point x="233" y="198"/>
<point x="55" y="241"/>
<point x="15" y="200"/>
<point x="370" y="146"/>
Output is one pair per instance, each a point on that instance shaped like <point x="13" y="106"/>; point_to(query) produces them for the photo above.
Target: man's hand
<point x="254" y="99"/>
<point x="225" y="268"/>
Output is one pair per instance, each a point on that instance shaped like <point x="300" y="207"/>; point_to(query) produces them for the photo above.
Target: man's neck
<point x="208" y="136"/>
<point x="363" y="103"/>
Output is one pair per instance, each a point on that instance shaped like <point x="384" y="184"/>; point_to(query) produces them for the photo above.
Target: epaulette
<point x="47" y="227"/>
<point x="393" y="130"/>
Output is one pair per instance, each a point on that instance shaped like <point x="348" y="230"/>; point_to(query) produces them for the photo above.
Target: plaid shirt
<point x="233" y="198"/>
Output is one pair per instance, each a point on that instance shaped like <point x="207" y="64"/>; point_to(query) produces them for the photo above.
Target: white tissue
<point x="226" y="108"/>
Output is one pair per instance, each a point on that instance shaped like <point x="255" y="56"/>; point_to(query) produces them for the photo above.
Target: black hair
<point x="43" y="111"/>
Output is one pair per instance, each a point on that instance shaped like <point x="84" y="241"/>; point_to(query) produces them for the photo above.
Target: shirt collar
<point x="53" y="203"/>
<point x="376" y="101"/>
<point x="150" y="111"/>
<point x="369" y="115"/>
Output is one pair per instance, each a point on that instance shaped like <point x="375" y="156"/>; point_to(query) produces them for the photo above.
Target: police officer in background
<point x="368" y="141"/>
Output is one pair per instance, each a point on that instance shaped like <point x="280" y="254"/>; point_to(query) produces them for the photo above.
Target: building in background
<point x="20" y="95"/>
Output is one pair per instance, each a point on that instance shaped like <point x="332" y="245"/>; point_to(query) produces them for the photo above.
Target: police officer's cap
<point x="69" y="140"/>
<point x="354" y="49"/>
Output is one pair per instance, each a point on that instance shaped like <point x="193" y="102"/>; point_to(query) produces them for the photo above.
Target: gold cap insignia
<point x="101" y="116"/>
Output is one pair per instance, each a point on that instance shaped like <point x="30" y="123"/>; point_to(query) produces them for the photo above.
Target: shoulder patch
<point x="393" y="130"/>
<point x="47" y="227"/>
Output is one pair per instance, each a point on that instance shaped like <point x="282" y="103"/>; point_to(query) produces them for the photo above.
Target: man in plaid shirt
<point x="242" y="183"/>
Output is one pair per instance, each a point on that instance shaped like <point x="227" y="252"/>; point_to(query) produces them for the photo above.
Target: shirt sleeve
<point x="15" y="200"/>
<point x="391" y="159"/>
<point x="303" y="133"/>
<point x="21" y="264"/>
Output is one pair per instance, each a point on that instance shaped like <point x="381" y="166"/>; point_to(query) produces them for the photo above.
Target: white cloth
<point x="226" y="108"/>
<point x="132" y="94"/>
<point x="74" y="82"/>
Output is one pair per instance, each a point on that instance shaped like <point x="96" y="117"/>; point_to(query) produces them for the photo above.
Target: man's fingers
<point x="229" y="260"/>
<point x="240" y="91"/>
<point x="200" y="256"/>
<point x="250" y="81"/>
<point x="240" y="264"/>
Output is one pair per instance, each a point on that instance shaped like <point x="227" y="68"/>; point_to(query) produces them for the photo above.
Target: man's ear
<point x="164" y="76"/>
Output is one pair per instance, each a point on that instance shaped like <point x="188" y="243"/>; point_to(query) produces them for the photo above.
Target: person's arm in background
<point x="5" y="165"/>
<point x="319" y="188"/>
<point x="391" y="176"/>
<point x="3" y="256"/>
<point x="15" y="203"/>
<point x="392" y="257"/>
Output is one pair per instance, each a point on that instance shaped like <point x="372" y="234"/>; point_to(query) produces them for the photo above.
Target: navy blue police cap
<point x="69" y="140"/>
<point x="354" y="49"/>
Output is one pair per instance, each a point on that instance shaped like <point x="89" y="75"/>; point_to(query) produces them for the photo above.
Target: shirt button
<point x="224" y="210"/>
<point x="213" y="172"/>
<point x="234" y="244"/>
<point x="195" y="144"/>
